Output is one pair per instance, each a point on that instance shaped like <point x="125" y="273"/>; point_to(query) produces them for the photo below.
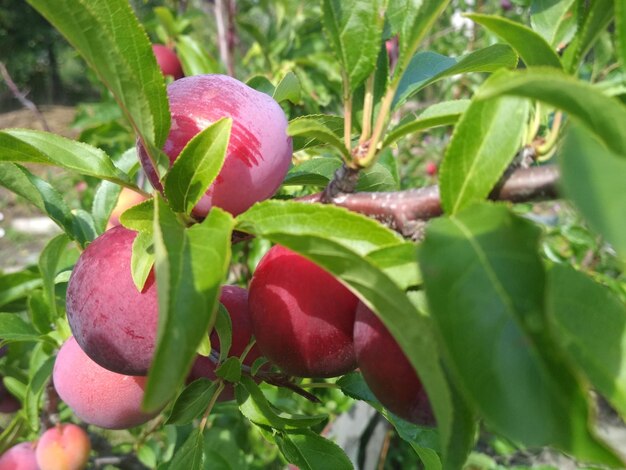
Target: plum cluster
<point x="65" y="446"/>
<point x="304" y="321"/>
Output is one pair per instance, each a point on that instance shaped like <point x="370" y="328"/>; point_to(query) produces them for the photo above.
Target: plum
<point x="168" y="61"/>
<point x="19" y="457"/>
<point x="302" y="317"/>
<point x="113" y="322"/>
<point x="63" y="447"/>
<point x="387" y="370"/>
<point x="259" y="150"/>
<point x="97" y="395"/>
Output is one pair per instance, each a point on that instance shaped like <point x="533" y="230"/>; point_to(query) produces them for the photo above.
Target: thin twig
<point x="21" y="97"/>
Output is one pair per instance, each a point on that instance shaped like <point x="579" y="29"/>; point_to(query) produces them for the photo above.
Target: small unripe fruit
<point x="113" y="322"/>
<point x="19" y="457"/>
<point x="387" y="370"/>
<point x="235" y="300"/>
<point x="168" y="61"/>
<point x="302" y="317"/>
<point x="63" y="447"/>
<point x="97" y="395"/>
<point x="259" y="150"/>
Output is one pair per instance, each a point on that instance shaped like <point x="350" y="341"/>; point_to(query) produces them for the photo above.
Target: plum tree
<point x="168" y="61"/>
<point x="113" y="322"/>
<point x="302" y="317"/>
<point x="63" y="447"/>
<point x="259" y="150"/>
<point x="387" y="370"/>
<point x="97" y="395"/>
<point x="127" y="199"/>
<point x="235" y="300"/>
<point x="19" y="457"/>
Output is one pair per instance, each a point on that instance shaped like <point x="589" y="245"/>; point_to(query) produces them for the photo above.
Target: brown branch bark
<point x="21" y="97"/>
<point x="405" y="211"/>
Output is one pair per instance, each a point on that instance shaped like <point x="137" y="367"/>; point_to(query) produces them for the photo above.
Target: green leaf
<point x="603" y="115"/>
<point x="39" y="312"/>
<point x="288" y="89"/>
<point x="444" y="113"/>
<point x="139" y="217"/>
<point x="14" y="328"/>
<point x="111" y="40"/>
<point x="190" y="455"/>
<point x="547" y="16"/>
<point x="593" y="178"/>
<point x="224" y="329"/>
<point x="484" y="142"/>
<point x="398" y="262"/>
<point x="192" y="402"/>
<point x="104" y="202"/>
<point x="338" y="240"/>
<point x="590" y="323"/>
<point x="620" y="26"/>
<point x="485" y="287"/>
<point x="354" y="29"/>
<point x="38" y="192"/>
<point x="230" y="370"/>
<point x="310" y="451"/>
<point x="331" y="123"/>
<point x="262" y="84"/>
<point x="596" y="16"/>
<point x="314" y="172"/>
<point x="428" y="67"/>
<point x="314" y="128"/>
<point x="190" y="266"/>
<point x="531" y="47"/>
<point x="30" y="146"/>
<point x="48" y="266"/>
<point x="141" y="259"/>
<point x="34" y="391"/>
<point x="197" y="166"/>
<point x="18" y="285"/>
<point x="412" y="20"/>
<point x="193" y="57"/>
<point x="257" y="409"/>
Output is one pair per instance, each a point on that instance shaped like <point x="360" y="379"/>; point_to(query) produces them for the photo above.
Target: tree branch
<point x="21" y="97"/>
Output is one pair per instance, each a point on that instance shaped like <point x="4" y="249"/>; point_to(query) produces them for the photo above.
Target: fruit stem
<point x="553" y="136"/>
<point x="368" y="109"/>
<point x="347" y="114"/>
<point x="209" y="408"/>
<point x="247" y="350"/>
<point x="379" y="126"/>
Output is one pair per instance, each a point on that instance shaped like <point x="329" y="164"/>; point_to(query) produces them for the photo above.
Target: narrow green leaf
<point x="596" y="17"/>
<point x="547" y="17"/>
<point x="261" y="83"/>
<point x="48" y="266"/>
<point x="193" y="57"/>
<point x="52" y="149"/>
<point x="590" y="323"/>
<point x="190" y="267"/>
<point x="593" y="178"/>
<point x="310" y="451"/>
<point x="111" y="40"/>
<point x="428" y="67"/>
<point x="327" y="121"/>
<point x="139" y="217"/>
<point x="190" y="456"/>
<point x="224" y="329"/>
<point x="603" y="115"/>
<point x="197" y="166"/>
<point x="257" y="409"/>
<point x="532" y="47"/>
<point x="398" y="262"/>
<point x="104" y="202"/>
<point x="484" y="279"/>
<point x="484" y="142"/>
<point x="34" y="392"/>
<point x="314" y="128"/>
<point x="288" y="89"/>
<point x="142" y="259"/>
<point x="192" y="402"/>
<point x="314" y="172"/>
<point x="440" y="114"/>
<point x="230" y="370"/>
<point x="18" y="285"/>
<point x="354" y="29"/>
<point x="39" y="312"/>
<point x="38" y="192"/>
<point x="14" y="328"/>
<point x="412" y="20"/>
